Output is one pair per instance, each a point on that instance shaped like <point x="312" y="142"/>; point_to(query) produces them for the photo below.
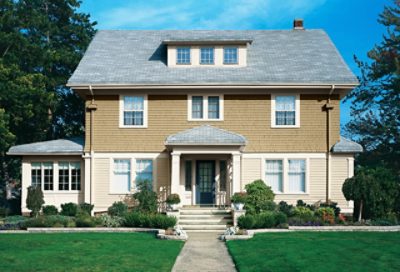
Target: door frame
<point x="197" y="197"/>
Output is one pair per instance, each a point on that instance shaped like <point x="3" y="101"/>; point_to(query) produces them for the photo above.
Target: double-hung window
<point x="183" y="55"/>
<point x="230" y="55"/>
<point x="205" y="107"/>
<point x="48" y="181"/>
<point x="144" y="171"/>
<point x="274" y="175"/>
<point x="121" y="182"/>
<point x="297" y="176"/>
<point x="69" y="176"/>
<point x="134" y="111"/>
<point x="285" y="111"/>
<point x="207" y="55"/>
<point x="36" y="174"/>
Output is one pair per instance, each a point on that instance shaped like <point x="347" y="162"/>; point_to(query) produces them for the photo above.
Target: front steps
<point x="204" y="219"/>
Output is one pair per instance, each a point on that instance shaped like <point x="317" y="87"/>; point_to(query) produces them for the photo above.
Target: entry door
<point x="205" y="181"/>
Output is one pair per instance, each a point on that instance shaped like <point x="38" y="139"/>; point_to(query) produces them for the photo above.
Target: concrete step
<point x="205" y="216"/>
<point x="204" y="212"/>
<point x="203" y="227"/>
<point x="205" y="222"/>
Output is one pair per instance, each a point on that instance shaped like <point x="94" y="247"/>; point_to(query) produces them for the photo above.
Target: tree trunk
<point x="360" y="211"/>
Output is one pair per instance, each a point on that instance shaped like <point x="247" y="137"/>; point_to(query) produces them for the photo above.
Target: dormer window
<point x="207" y="55"/>
<point x="230" y="55"/>
<point x="183" y="55"/>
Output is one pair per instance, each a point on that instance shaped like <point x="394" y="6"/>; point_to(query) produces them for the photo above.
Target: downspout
<point x="91" y="108"/>
<point x="328" y="107"/>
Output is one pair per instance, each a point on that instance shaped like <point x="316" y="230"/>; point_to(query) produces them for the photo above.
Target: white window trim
<point x="190" y="56"/>
<point x="283" y="173"/>
<point x="121" y="111"/>
<point x="285" y="170"/>
<point x="237" y="55"/>
<point x="132" y="158"/>
<point x="205" y="107"/>
<point x="213" y="60"/>
<point x="297" y="109"/>
<point x="69" y="176"/>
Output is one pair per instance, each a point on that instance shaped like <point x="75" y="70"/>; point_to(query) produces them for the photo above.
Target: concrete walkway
<point x="204" y="252"/>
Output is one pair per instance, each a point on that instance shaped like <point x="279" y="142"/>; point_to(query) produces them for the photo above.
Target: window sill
<point x="292" y="193"/>
<point x="62" y="192"/>
<point x="133" y="127"/>
<point x="120" y="193"/>
<point x="288" y="126"/>
<point x="205" y="120"/>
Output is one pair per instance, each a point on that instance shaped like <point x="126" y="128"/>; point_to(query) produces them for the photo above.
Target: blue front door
<point x="205" y="182"/>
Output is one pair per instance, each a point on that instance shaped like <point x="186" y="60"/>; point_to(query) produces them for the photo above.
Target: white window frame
<point x="213" y="55"/>
<point x="134" y="185"/>
<point x="145" y="111"/>
<point x="283" y="174"/>
<point x="190" y="55"/>
<point x="237" y="55"/>
<point x="273" y="111"/>
<point x="205" y="107"/>
<point x="112" y="166"/>
<point x="285" y="170"/>
<point x="69" y="176"/>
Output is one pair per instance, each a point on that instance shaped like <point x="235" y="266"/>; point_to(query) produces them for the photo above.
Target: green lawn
<point x="87" y="252"/>
<point x="318" y="251"/>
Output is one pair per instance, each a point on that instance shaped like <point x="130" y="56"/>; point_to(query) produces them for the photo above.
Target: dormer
<point x="207" y="53"/>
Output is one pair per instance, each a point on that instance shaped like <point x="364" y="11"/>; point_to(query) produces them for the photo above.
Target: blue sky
<point x="351" y="24"/>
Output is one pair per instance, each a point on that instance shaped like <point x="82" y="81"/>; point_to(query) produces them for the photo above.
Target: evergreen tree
<point x="376" y="102"/>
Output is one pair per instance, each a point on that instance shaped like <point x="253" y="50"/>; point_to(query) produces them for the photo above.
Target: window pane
<point x="36" y="174"/>
<point x="188" y="175"/>
<point x="121" y="182"/>
<point x="138" y="103"/>
<point x="213" y="107"/>
<point x="285" y="107"/>
<point x="133" y="118"/>
<point x="63" y="176"/>
<point x="197" y="107"/>
<point x="297" y="175"/>
<point x="128" y="103"/>
<point x="183" y="55"/>
<point x="48" y="176"/>
<point x="222" y="176"/>
<point x="207" y="55"/>
<point x="230" y="55"/>
<point x="144" y="171"/>
<point x="274" y="175"/>
<point x="75" y="176"/>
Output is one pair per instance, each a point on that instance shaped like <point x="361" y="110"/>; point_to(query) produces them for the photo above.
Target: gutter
<point x="328" y="107"/>
<point x="91" y="108"/>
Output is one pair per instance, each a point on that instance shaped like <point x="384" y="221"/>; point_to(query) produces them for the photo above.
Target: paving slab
<point x="204" y="251"/>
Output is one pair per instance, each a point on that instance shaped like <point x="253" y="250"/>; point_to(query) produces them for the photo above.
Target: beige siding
<point x="251" y="170"/>
<point x="340" y="172"/>
<point x="249" y="115"/>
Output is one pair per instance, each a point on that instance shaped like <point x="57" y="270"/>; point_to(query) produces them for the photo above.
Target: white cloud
<point x="205" y="14"/>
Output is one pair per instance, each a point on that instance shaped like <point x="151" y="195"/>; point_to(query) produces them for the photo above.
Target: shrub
<point x="239" y="197"/>
<point x="332" y="205"/>
<point x="146" y="220"/>
<point x="50" y="221"/>
<point x="50" y="210"/>
<point x="108" y="221"/>
<point x="34" y="200"/>
<point x="86" y="208"/>
<point x="304" y="213"/>
<point x="69" y="209"/>
<point x="258" y="194"/>
<point x="173" y="199"/>
<point x="85" y="221"/>
<point x="265" y="220"/>
<point x="280" y="218"/>
<point x="146" y="197"/>
<point x="269" y="206"/>
<point x="246" y="221"/>
<point x="326" y="214"/>
<point x="286" y="208"/>
<point x="118" y="209"/>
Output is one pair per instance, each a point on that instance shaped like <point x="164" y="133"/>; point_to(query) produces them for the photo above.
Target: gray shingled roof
<point x="206" y="135"/>
<point x="274" y="57"/>
<point x="73" y="146"/>
<point x="346" y="146"/>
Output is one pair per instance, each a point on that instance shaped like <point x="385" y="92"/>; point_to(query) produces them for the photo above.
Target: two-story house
<point x="202" y="114"/>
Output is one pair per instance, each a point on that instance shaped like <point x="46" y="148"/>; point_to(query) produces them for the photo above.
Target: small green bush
<point x="239" y="197"/>
<point x="286" y="208"/>
<point x="108" y="221"/>
<point x="246" y="221"/>
<point x="49" y="221"/>
<point x="34" y="200"/>
<point x="258" y="196"/>
<point x="86" y="208"/>
<point x="118" y="209"/>
<point x="146" y="198"/>
<point x="173" y="199"/>
<point x="304" y="213"/>
<point x="265" y="220"/>
<point x="50" y="210"/>
<point x="280" y="218"/>
<point x="85" y="221"/>
<point x="146" y="220"/>
<point x="69" y="209"/>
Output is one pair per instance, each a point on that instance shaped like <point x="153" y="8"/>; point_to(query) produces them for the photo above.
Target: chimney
<point x="298" y="24"/>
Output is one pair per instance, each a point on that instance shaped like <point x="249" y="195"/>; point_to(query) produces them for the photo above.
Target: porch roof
<point x="346" y="146"/>
<point x="206" y="135"/>
<point x="72" y="146"/>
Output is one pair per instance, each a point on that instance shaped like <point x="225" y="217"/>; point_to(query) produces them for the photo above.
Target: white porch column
<point x="25" y="183"/>
<point x="86" y="185"/>
<point x="175" y="172"/>
<point x="236" y="166"/>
